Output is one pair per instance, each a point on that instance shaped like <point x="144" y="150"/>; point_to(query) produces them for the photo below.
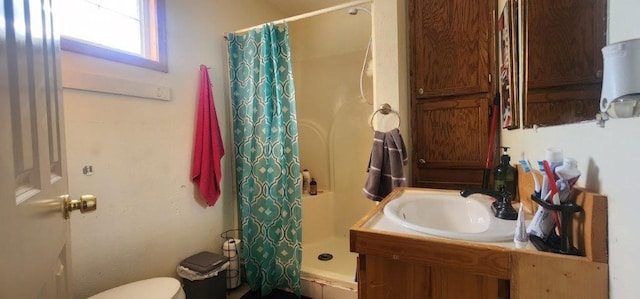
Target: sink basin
<point x="449" y="215"/>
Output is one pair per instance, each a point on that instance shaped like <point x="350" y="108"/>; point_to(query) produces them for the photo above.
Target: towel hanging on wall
<point x="386" y="165"/>
<point x="207" y="148"/>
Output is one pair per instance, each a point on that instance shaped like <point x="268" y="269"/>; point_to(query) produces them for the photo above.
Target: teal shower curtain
<point x="265" y="133"/>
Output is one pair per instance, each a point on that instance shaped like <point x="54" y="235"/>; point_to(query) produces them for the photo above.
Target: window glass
<point x="127" y="31"/>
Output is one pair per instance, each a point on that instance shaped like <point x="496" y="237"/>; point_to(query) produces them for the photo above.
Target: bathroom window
<point x="124" y="31"/>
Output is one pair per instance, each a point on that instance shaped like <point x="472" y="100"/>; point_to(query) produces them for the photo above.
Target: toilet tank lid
<point x="159" y="287"/>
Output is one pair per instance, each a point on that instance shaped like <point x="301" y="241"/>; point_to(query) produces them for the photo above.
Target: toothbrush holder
<point x="566" y="235"/>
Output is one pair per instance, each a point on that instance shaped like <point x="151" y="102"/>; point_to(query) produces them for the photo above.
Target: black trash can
<point x="204" y="276"/>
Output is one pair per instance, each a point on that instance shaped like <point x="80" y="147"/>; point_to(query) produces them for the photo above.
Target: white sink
<point x="449" y="215"/>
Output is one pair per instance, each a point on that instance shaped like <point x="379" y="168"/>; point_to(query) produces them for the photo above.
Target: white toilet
<point x="152" y="288"/>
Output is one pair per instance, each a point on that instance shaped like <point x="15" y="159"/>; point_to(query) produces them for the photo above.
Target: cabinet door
<point x="384" y="278"/>
<point x="563" y="60"/>
<point x="452" y="63"/>
<point x="450" y="42"/>
<point x="450" y="142"/>
<point x="452" y="284"/>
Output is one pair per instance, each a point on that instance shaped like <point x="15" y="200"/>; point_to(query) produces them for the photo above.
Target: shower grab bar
<point x="385" y="109"/>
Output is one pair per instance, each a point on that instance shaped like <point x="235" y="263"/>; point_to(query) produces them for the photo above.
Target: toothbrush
<point x="544" y="187"/>
<point x="552" y="183"/>
<point x="554" y="191"/>
<point x="526" y="166"/>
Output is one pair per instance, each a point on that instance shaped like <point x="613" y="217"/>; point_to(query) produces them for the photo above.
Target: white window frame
<point x="154" y="46"/>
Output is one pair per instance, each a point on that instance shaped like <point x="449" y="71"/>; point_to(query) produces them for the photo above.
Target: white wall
<point x="148" y="218"/>
<point x="390" y="79"/>
<point x="608" y="157"/>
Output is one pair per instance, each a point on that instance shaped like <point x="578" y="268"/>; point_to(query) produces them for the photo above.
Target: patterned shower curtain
<point x="265" y="133"/>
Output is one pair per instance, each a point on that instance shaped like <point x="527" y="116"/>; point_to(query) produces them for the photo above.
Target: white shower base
<point x="332" y="279"/>
<point x="335" y="278"/>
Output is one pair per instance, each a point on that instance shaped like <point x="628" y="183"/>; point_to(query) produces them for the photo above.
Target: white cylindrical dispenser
<point x="620" y="87"/>
<point x="231" y="249"/>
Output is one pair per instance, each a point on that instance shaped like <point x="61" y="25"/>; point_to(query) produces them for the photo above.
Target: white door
<point x="34" y="236"/>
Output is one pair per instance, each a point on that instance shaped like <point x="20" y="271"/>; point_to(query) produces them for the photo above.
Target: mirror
<point x="561" y="59"/>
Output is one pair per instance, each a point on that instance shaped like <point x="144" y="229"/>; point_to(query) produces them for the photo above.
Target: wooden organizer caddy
<point x="589" y="227"/>
<point x="550" y="275"/>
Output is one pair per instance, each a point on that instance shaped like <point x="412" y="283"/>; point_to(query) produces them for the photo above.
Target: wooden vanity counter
<point x="395" y="262"/>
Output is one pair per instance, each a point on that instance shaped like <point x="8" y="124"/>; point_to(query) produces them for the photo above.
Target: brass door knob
<point x="86" y="203"/>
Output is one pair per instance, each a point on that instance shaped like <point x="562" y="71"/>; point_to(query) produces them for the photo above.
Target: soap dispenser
<point x="505" y="176"/>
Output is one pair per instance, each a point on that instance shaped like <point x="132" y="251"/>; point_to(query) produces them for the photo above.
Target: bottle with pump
<point x="313" y="187"/>
<point x="505" y="176"/>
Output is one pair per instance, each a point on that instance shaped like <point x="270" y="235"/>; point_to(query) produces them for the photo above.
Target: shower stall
<point x="333" y="80"/>
<point x="331" y="66"/>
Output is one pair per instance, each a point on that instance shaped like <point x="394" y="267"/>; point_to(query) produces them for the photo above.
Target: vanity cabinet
<point x="452" y="88"/>
<point x="393" y="266"/>
<point x="393" y="277"/>
<point x="563" y="60"/>
<point x="394" y="262"/>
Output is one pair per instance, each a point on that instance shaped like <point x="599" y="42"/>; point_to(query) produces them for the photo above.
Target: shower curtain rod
<point x="307" y="15"/>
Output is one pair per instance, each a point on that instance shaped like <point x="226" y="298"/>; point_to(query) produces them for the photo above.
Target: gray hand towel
<point x="386" y="165"/>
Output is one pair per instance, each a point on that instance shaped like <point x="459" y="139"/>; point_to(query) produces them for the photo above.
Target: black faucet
<point x="501" y="207"/>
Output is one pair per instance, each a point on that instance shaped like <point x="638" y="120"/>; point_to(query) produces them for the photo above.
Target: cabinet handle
<point x="422" y="161"/>
<point x="599" y="74"/>
<point x="420" y="90"/>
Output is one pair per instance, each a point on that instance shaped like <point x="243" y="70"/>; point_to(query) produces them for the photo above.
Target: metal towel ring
<point x="385" y="109"/>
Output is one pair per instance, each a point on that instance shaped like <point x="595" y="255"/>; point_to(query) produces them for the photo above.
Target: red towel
<point x="207" y="148"/>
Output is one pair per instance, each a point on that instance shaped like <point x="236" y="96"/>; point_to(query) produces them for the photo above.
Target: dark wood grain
<point x="450" y="149"/>
<point x="452" y="52"/>
<point x="563" y="42"/>
<point x="452" y="47"/>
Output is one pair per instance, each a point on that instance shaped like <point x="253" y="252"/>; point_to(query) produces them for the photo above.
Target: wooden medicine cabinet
<point x="562" y="60"/>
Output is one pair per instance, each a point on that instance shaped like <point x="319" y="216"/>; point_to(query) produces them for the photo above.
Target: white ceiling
<point x="295" y="7"/>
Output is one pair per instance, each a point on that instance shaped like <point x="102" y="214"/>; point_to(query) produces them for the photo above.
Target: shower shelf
<point x="321" y="194"/>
